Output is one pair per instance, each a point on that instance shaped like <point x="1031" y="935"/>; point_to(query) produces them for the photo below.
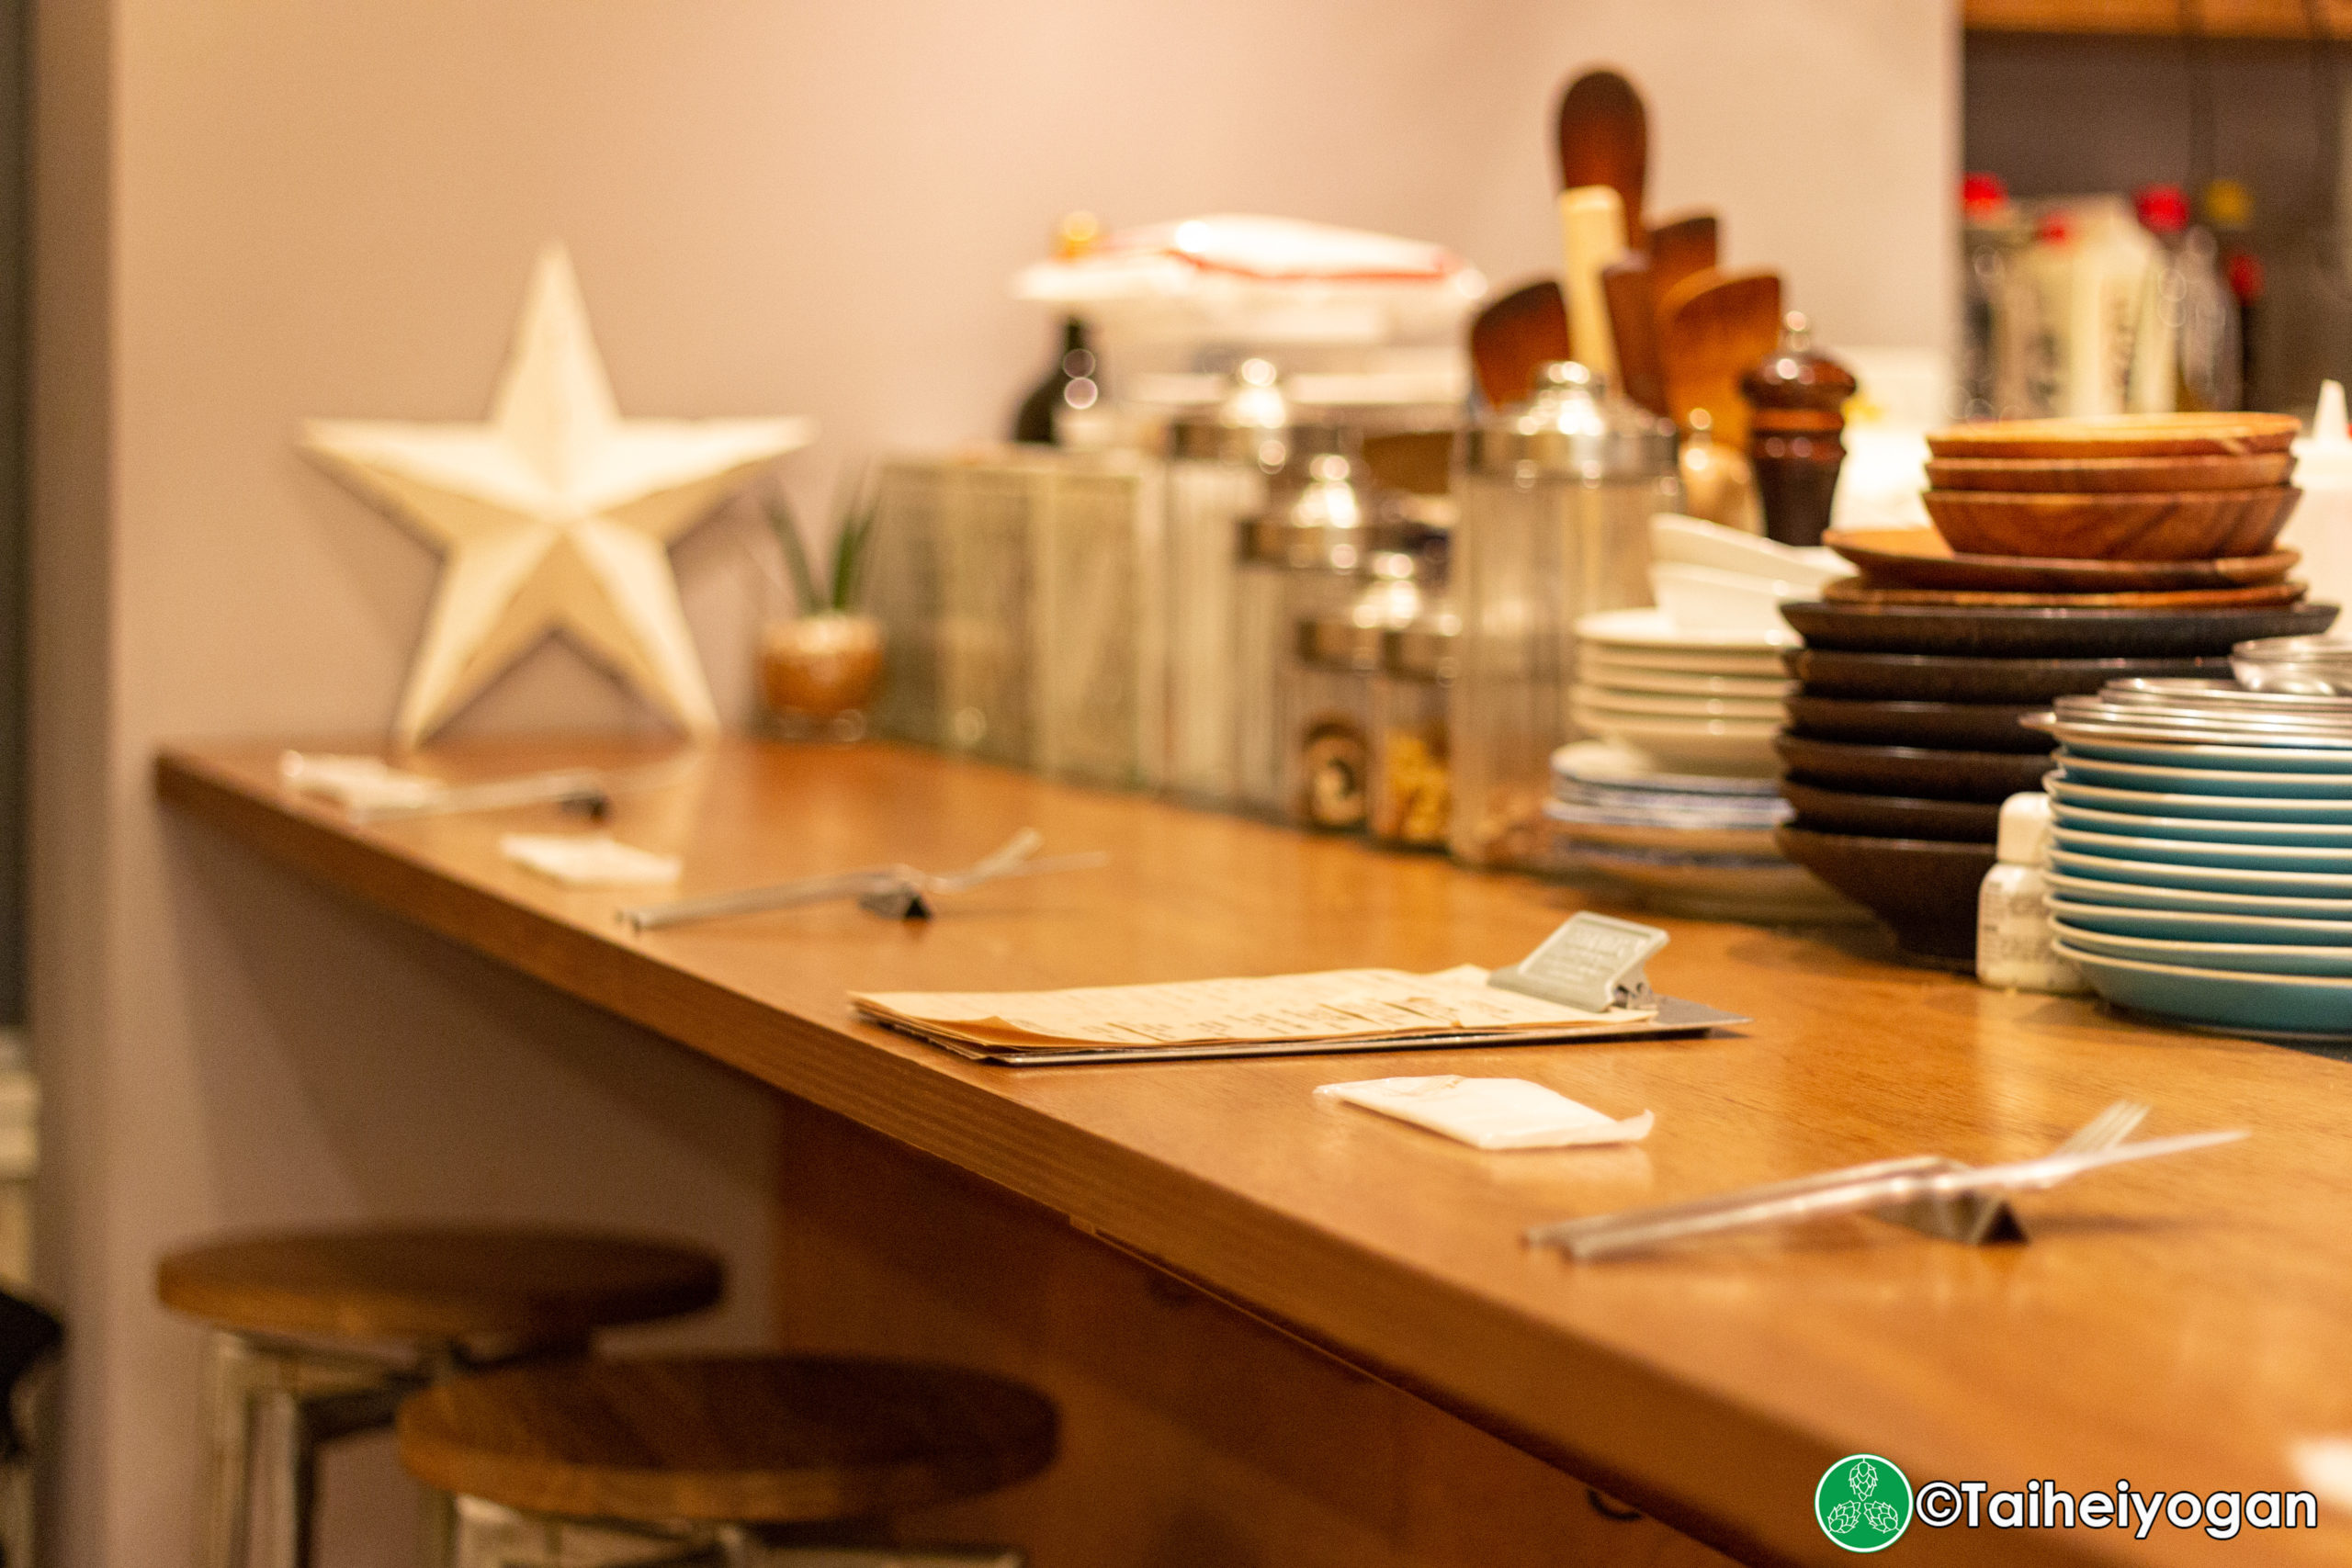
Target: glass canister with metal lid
<point x="1557" y="494"/>
<point x="1219" y="462"/>
<point x="1304" y="556"/>
<point x="1412" y="751"/>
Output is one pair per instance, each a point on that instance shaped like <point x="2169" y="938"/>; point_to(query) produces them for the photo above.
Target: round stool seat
<point x="753" y="1439"/>
<point x="440" y="1282"/>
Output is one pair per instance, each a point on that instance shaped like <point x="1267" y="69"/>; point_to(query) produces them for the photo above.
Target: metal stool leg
<point x="228" y="1446"/>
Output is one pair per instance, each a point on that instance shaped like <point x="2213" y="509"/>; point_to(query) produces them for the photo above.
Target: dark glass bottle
<point x="1071" y="384"/>
<point x="1798" y="395"/>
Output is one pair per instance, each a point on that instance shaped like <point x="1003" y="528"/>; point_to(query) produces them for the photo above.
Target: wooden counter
<point x="2180" y="1324"/>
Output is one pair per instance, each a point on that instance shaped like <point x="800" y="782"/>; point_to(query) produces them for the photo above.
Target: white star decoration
<point x="557" y="515"/>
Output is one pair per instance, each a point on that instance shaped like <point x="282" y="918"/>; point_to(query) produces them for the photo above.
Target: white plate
<point x="1672" y="662"/>
<point x="1702" y="596"/>
<point x="1653" y="629"/>
<point x="1626" y="677"/>
<point x="1649" y="704"/>
<point x="1609" y="765"/>
<point x="1721" y="745"/>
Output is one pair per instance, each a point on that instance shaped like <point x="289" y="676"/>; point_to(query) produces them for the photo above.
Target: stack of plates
<point x="1904" y="736"/>
<point x="1696" y="844"/>
<point x="2150" y="488"/>
<point x="1694" y="701"/>
<point x="2202" y="861"/>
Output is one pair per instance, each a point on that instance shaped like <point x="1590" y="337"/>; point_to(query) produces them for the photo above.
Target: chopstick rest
<point x="1490" y="1113"/>
<point x="588" y="860"/>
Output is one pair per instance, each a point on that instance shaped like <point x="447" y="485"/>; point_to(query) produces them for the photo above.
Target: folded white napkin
<point x="1491" y="1114"/>
<point x="588" y="860"/>
<point x="362" y="783"/>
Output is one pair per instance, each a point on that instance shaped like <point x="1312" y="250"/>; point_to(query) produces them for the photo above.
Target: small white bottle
<point x="2013" y="946"/>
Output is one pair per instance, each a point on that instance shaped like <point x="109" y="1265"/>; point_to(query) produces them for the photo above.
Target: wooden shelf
<point x="2157" y="18"/>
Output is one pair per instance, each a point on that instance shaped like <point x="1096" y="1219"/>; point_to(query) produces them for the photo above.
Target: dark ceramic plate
<point x="2047" y="633"/>
<point x="1967" y="726"/>
<point x="1938" y="677"/>
<point x="1911" y="770"/>
<point x="1892" y="816"/>
<point x="1924" y="888"/>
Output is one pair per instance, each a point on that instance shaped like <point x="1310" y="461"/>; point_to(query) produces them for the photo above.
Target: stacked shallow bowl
<point x="2064" y="555"/>
<point x="2201" y="860"/>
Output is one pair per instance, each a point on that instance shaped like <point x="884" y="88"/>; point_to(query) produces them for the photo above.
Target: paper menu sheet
<point x="1338" y="1004"/>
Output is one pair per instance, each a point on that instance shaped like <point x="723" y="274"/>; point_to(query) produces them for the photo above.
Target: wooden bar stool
<point x="398" y="1308"/>
<point x="732" y="1459"/>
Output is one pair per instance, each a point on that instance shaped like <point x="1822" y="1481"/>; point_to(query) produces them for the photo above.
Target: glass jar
<point x="1412" y="756"/>
<point x="1219" y="462"/>
<point x="1326" y="724"/>
<point x="1557" y="495"/>
<point x="1302" y="559"/>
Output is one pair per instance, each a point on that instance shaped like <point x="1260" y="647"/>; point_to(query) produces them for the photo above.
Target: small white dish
<point x="1617" y="675"/>
<point x="1689" y="541"/>
<point x="1702" y="596"/>
<point x="1653" y="628"/>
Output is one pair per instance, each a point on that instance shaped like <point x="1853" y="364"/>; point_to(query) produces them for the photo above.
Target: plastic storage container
<point x="1556" y="497"/>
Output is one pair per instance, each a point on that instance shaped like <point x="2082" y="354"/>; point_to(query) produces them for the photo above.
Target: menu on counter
<point x="1354" y="1006"/>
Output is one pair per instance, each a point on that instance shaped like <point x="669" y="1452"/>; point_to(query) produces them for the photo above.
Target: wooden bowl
<point x="2078" y="475"/>
<point x="2120" y="436"/>
<point x="1941" y="678"/>
<point x="1931" y="772"/>
<point x="2030" y="632"/>
<point x="2159" y="525"/>
<point x="1854" y="591"/>
<point x="1919" y="557"/>
<point x="1960" y="726"/>
<point x="1892" y="816"/>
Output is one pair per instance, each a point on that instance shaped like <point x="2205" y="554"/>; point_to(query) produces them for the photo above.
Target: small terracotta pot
<point x="819" y="669"/>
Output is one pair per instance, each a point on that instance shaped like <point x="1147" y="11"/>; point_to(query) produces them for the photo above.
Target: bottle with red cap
<point x="2186" y="354"/>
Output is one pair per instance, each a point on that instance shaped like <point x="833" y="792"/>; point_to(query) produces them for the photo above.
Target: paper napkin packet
<point x="588" y="860"/>
<point x="1490" y="1113"/>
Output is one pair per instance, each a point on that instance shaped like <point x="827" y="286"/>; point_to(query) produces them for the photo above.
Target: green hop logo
<point x="1864" y="1503"/>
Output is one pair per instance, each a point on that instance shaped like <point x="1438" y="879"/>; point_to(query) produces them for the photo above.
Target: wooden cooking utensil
<point x="1632" y="321"/>
<point x="2079" y="474"/>
<point x="1604" y="140"/>
<point x="1679" y="247"/>
<point x="2120" y="436"/>
<point x="1712" y="327"/>
<point x="1592" y="235"/>
<point x="2173" y="525"/>
<point x="1525" y="328"/>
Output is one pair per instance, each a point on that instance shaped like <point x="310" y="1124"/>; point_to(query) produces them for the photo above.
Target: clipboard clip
<point x="1594" y="962"/>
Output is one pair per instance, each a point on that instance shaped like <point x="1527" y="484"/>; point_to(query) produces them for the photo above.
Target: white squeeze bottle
<point x="2013" y="946"/>
<point x="2322" y="524"/>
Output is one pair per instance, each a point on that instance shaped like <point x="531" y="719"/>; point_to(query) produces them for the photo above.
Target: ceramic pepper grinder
<point x="1798" y="398"/>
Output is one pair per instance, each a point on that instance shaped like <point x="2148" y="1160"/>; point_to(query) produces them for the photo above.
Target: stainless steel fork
<point x="1928" y="1192"/>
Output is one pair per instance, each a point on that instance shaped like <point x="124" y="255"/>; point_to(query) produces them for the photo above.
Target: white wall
<point x="250" y="213"/>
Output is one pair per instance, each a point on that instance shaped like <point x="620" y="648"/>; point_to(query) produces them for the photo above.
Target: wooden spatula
<point x="1680" y="246"/>
<point x="1604" y="140"/>
<point x="1525" y="328"/>
<point x="1711" y="327"/>
<point x="1632" y="320"/>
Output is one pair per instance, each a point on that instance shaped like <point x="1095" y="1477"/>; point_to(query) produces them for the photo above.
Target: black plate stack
<point x="1903" y="737"/>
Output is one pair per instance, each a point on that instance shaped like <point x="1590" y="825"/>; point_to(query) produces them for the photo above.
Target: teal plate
<point x="2186" y="901"/>
<point x="2203" y="878"/>
<point x="2205" y="830"/>
<point x="2304" y="1004"/>
<point x="2236" y="958"/>
<point x="2201" y="781"/>
<point x="2176" y="925"/>
<point x="2213" y="807"/>
<point x="2191" y="754"/>
<point x="2173" y="853"/>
